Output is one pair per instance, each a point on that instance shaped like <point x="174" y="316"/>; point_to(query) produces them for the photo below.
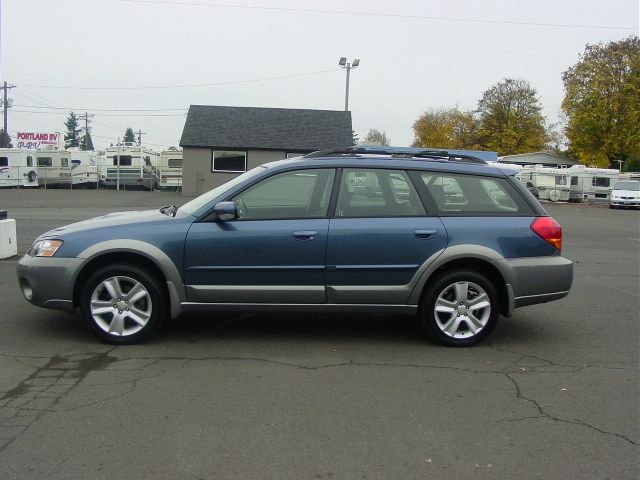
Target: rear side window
<point x="454" y="194"/>
<point x="4" y="161"/>
<point x="377" y="193"/>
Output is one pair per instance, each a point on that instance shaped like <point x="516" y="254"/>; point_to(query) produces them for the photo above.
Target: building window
<point x="125" y="160"/>
<point x="228" y="161"/>
<point x="296" y="154"/>
<point x="174" y="163"/>
<point x="44" y="161"/>
<point x="4" y="161"/>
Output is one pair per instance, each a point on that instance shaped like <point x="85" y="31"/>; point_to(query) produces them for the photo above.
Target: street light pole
<point x="118" y="164"/>
<point x="348" y="67"/>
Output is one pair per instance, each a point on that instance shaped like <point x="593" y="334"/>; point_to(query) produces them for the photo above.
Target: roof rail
<point x="397" y="152"/>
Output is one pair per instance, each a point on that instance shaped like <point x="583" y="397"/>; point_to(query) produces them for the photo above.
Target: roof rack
<point x="397" y="152"/>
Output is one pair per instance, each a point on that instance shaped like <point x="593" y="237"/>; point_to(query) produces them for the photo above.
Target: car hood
<point x="625" y="193"/>
<point x="109" y="220"/>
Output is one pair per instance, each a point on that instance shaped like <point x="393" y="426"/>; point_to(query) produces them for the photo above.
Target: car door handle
<point x="425" y="234"/>
<point x="305" y="235"/>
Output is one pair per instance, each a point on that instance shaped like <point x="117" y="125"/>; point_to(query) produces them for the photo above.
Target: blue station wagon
<point x="445" y="237"/>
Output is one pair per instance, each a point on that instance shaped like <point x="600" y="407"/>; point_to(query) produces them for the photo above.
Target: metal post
<point x="118" y="165"/>
<point x="346" y="95"/>
<point x="6" y="105"/>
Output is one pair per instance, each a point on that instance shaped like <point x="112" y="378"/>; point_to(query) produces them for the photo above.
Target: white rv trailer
<point x="576" y="183"/>
<point x="132" y="167"/>
<point x="86" y="168"/>
<point x="17" y="168"/>
<point x="171" y="169"/>
<point x="590" y="183"/>
<point x="54" y="168"/>
<point x="552" y="183"/>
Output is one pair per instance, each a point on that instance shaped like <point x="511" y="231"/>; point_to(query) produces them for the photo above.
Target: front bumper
<point x="540" y="279"/>
<point x="635" y="202"/>
<point x="48" y="281"/>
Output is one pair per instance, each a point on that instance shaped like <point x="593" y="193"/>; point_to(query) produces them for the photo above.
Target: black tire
<point x="152" y="304"/>
<point x="444" y="284"/>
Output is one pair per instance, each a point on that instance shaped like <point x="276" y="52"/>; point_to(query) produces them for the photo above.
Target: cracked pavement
<point x="552" y="394"/>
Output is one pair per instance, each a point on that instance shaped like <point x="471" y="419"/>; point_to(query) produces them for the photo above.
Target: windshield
<point x="199" y="202"/>
<point x="628" y="185"/>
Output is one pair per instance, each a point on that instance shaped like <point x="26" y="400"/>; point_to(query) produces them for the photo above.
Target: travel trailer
<point x="17" y="168"/>
<point x="54" y="168"/>
<point x="551" y="183"/>
<point x="86" y="168"/>
<point x="129" y="166"/>
<point x="576" y="183"/>
<point x="171" y="169"/>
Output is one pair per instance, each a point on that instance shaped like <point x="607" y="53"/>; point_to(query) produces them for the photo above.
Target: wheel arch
<point x="137" y="253"/>
<point x="484" y="262"/>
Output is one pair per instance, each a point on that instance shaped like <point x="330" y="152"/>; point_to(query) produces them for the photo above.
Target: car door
<point x="379" y="238"/>
<point x="273" y="252"/>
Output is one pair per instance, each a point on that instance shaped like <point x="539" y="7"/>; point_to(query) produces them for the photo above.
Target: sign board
<point x="36" y="139"/>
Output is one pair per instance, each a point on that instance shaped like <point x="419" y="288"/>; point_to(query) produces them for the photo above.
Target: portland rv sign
<point x="37" y="140"/>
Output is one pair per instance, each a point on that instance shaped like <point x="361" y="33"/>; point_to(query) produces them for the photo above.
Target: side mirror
<point x="226" y="211"/>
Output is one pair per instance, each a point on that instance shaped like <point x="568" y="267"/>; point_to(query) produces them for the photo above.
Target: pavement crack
<point x="544" y="414"/>
<point x="39" y="392"/>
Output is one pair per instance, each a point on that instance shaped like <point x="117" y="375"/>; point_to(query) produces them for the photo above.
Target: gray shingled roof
<point x="266" y="128"/>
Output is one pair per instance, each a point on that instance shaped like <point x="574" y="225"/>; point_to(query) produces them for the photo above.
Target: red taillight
<point x="548" y="229"/>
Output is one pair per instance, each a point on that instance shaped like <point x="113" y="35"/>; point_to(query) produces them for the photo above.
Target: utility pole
<point x="118" y="164"/>
<point x="6" y="106"/>
<point x="87" y="120"/>
<point x="140" y="133"/>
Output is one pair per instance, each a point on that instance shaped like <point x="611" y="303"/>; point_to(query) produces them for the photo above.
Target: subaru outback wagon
<point x="445" y="237"/>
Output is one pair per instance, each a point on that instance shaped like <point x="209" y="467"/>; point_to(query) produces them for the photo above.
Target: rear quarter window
<point x="464" y="195"/>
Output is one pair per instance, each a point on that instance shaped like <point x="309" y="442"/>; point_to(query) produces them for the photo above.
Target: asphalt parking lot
<point x="553" y="394"/>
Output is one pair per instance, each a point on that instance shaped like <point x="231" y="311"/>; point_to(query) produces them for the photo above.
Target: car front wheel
<point x="459" y="308"/>
<point x="123" y="304"/>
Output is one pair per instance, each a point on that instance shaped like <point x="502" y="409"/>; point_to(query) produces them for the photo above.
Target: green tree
<point x="5" y="139"/>
<point x="87" y="142"/>
<point x="602" y="103"/>
<point x="376" y="136"/>
<point x="510" y="118"/>
<point x="72" y="135"/>
<point x="129" y="136"/>
<point x="446" y="128"/>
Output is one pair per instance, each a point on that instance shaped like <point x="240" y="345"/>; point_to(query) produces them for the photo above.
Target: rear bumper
<point x="539" y="279"/>
<point x="48" y="282"/>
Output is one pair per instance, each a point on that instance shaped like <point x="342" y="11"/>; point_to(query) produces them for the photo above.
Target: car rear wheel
<point x="123" y="304"/>
<point x="459" y="308"/>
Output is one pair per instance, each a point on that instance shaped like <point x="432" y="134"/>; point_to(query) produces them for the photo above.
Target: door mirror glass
<point x="225" y="211"/>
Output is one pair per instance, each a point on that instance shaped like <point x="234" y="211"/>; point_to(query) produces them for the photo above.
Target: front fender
<point x="152" y="253"/>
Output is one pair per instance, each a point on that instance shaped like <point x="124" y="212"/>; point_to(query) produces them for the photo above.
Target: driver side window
<point x="296" y="194"/>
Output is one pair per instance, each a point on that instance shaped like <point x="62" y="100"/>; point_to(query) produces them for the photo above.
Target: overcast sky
<point x="409" y="63"/>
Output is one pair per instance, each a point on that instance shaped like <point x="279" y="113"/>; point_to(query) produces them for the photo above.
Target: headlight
<point x="45" y="248"/>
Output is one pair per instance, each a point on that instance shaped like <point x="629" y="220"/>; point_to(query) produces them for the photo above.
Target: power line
<point x="193" y="85"/>
<point x="373" y="14"/>
<point x="109" y="114"/>
<point x="106" y="109"/>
